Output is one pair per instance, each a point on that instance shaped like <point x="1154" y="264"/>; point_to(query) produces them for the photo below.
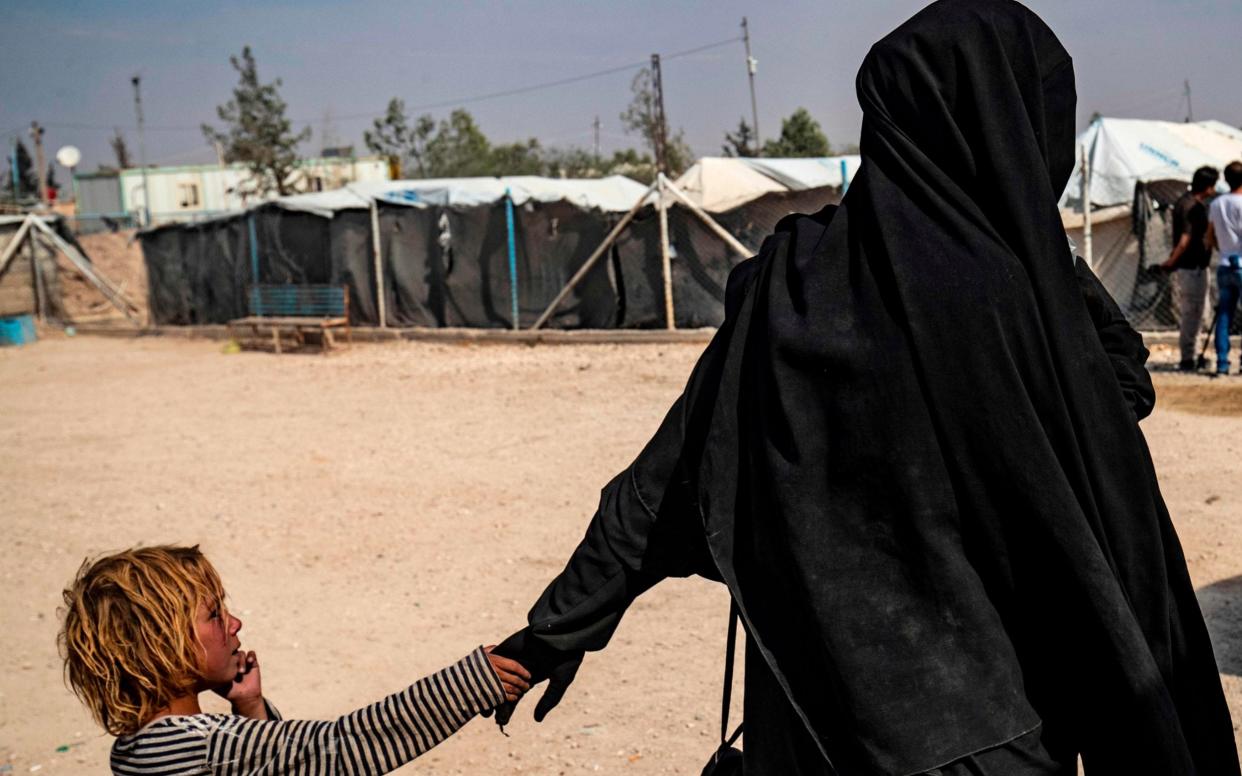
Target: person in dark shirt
<point x="1189" y="259"/>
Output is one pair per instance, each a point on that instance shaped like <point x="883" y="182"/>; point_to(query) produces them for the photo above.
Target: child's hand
<point x="245" y="692"/>
<point x="513" y="677"/>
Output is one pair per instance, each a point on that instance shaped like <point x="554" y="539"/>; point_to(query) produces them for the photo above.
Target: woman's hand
<point x="513" y="676"/>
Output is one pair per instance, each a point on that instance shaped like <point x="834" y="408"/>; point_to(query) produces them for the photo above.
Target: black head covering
<point x="914" y="462"/>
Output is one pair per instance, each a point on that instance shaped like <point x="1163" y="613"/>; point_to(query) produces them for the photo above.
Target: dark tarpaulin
<point x="199" y="272"/>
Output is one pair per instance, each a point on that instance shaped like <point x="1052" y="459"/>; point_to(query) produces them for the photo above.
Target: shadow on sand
<point x="1221" y="603"/>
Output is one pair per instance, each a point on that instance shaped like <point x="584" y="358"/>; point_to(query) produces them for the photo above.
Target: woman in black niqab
<point x="912" y="453"/>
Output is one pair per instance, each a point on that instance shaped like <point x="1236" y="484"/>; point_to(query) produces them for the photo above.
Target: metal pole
<point x="513" y="281"/>
<point x="590" y="262"/>
<point x="36" y="133"/>
<point x="729" y="239"/>
<point x="1086" y="208"/>
<point x="380" y="301"/>
<point x="660" y="130"/>
<point x="142" y="153"/>
<point x="751" y="62"/>
<point x="666" y="263"/>
<point x="40" y="291"/>
<point x="254" y="250"/>
<point x="595" y="126"/>
<point x="1190" y="113"/>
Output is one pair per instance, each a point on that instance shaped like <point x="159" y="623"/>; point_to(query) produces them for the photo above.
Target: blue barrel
<point x="18" y="330"/>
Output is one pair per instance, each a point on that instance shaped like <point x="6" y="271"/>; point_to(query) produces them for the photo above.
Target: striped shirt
<point x="372" y="740"/>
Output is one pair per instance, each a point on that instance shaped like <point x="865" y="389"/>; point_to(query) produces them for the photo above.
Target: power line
<point x="444" y="103"/>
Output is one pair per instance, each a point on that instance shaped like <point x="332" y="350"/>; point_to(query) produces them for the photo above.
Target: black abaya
<point x="911" y="452"/>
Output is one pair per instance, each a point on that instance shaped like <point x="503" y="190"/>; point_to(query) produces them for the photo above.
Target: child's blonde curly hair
<point x="128" y="637"/>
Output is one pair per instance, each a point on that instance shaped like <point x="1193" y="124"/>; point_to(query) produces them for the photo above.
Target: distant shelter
<point x="198" y="192"/>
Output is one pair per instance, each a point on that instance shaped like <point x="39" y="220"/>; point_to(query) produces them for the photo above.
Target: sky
<point x="68" y="65"/>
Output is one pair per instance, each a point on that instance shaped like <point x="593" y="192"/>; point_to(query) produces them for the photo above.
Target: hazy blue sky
<point x="68" y="64"/>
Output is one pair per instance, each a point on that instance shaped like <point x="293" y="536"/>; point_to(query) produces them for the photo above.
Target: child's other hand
<point x="245" y="692"/>
<point x="513" y="676"/>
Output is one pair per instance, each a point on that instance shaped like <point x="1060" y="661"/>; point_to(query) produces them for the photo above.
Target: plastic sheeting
<point x="1124" y="152"/>
<point x="448" y="266"/>
<point x="614" y="194"/>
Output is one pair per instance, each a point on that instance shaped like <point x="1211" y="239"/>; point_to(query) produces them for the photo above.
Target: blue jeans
<point x="1229" y="289"/>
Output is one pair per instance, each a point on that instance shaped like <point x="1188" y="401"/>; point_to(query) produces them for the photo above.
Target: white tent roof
<point x="612" y="194"/>
<point x="1125" y="151"/>
<point x="717" y="183"/>
<point x="800" y="174"/>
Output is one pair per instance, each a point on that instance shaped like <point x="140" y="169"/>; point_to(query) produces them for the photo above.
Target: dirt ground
<point x="377" y="513"/>
<point x="118" y="257"/>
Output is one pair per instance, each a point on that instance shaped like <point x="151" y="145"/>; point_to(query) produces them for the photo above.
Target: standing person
<point x="1225" y="232"/>
<point x="1189" y="260"/>
<point x="912" y="454"/>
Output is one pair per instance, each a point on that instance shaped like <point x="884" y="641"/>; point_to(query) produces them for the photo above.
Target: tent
<point x="1123" y="152"/>
<point x="444" y="255"/>
<point x="717" y="184"/>
<point x="443" y="246"/>
<point x="1137" y="168"/>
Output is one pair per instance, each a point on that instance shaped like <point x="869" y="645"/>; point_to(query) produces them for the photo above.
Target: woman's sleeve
<point x="647" y="527"/>
<point x="1121" y="342"/>
<point x="375" y="739"/>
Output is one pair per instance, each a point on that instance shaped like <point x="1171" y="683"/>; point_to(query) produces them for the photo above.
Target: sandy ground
<point x="377" y="513"/>
<point x="118" y="257"/>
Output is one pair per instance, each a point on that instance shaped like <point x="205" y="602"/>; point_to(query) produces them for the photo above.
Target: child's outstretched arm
<point x="375" y="739"/>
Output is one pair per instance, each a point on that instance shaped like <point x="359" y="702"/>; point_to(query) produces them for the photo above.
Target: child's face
<point x="217" y="636"/>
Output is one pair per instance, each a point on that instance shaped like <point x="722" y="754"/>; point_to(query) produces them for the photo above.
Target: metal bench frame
<point x="296" y="309"/>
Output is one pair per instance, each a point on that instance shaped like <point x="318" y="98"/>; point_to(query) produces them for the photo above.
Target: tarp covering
<point x="614" y="194"/>
<point x="717" y="183"/>
<point x="1123" y="152"/>
<point x="448" y="265"/>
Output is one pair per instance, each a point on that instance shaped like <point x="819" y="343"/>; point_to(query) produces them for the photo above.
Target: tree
<point x="27" y="178"/>
<point x="741" y="142"/>
<point x="800" y="136"/>
<point x="120" y="149"/>
<point x="256" y="131"/>
<point x="524" y="157"/>
<point x="394" y="138"/>
<point x="459" y="148"/>
<point x="641" y="117"/>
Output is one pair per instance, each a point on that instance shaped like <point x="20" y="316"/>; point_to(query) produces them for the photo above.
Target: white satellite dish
<point x="69" y="156"/>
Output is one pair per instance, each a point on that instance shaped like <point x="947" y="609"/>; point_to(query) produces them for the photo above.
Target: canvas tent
<point x="1123" y="152"/>
<point x="444" y="255"/>
<point x="1135" y="167"/>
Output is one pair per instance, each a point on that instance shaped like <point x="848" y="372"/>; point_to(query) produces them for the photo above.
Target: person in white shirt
<point x="1225" y="232"/>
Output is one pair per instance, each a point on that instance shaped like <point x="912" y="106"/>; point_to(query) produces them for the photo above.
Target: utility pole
<point x="142" y="153"/>
<point x="1190" y="114"/>
<point x="36" y="134"/>
<point x="660" y="130"/>
<point x="595" y="126"/>
<point x="751" y="62"/>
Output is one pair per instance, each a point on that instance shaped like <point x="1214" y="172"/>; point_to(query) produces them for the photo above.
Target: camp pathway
<point x="379" y="511"/>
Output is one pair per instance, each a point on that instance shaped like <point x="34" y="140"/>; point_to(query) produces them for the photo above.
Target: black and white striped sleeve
<point x="372" y="740"/>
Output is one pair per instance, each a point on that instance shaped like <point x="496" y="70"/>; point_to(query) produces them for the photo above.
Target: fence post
<point x="666" y="263"/>
<point x="381" y="304"/>
<point x="513" y="281"/>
